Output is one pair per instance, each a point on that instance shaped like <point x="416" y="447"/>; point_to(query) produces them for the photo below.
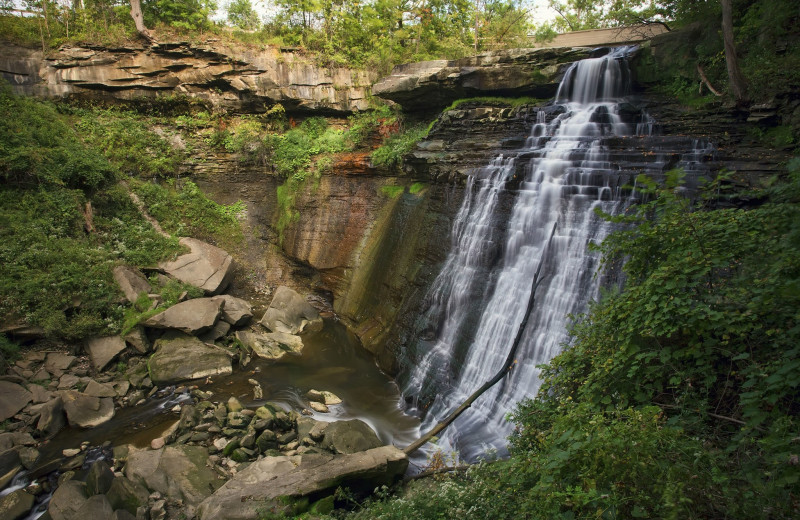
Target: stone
<point x="205" y="266"/>
<point x="290" y="313"/>
<point x="28" y="456"/>
<point x="99" y="478"/>
<point x="58" y="361"/>
<point x="238" y="420"/>
<point x="86" y="411"/>
<point x="68" y="381"/>
<point x="121" y="387"/>
<point x="96" y="389"/>
<point x="236" y="312"/>
<point x="324" y="397"/>
<point x="234" y="405"/>
<point x="131" y="281"/>
<point x="39" y="393"/>
<point x="137" y="339"/>
<point x="16" y="505"/>
<point x="40" y="375"/>
<point x="317" y="432"/>
<point x="102" y="351"/>
<point x="96" y="507"/>
<point x="14" y="398"/>
<point x="51" y="417"/>
<point x="186" y="358"/>
<point x="219" y="330"/>
<point x="10" y="465"/>
<point x="318" y="407"/>
<point x="267" y="440"/>
<point x="121" y="514"/>
<point x="177" y="472"/>
<point x="299" y="476"/>
<point x="158" y="443"/>
<point x="192" y="317"/>
<point x="274" y="346"/>
<point x="70" y="452"/>
<point x="350" y="437"/>
<point x="67" y="500"/>
<point x="124" y="494"/>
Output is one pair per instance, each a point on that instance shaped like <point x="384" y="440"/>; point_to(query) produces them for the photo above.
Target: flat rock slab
<point x="257" y="489"/>
<point x="102" y="351"/>
<point x="96" y="389"/>
<point x="177" y="472"/>
<point x="236" y="311"/>
<point x="290" y="313"/>
<point x="86" y="411"/>
<point x="274" y="346"/>
<point x="182" y="359"/>
<point x="131" y="281"/>
<point x="58" y="361"/>
<point x="192" y="317"/>
<point x="13" y="398"/>
<point x="205" y="266"/>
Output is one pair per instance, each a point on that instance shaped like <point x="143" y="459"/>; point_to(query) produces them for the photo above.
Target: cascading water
<point x="479" y="299"/>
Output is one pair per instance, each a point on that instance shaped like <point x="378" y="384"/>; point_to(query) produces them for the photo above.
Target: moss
<point x="392" y="191"/>
<point x="416" y="188"/>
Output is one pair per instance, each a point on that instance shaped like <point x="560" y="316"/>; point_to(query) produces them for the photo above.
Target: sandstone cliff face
<point x="231" y="78"/>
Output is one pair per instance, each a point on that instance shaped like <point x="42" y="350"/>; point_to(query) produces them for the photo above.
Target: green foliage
<point x="183" y="209"/>
<point x="495" y="101"/>
<point x="392" y="191"/>
<point x="242" y="15"/>
<point x="143" y="307"/>
<point x="391" y="152"/>
<point x="416" y="188"/>
<point x="9" y="351"/>
<point x="180" y="14"/>
<point x="37" y="147"/>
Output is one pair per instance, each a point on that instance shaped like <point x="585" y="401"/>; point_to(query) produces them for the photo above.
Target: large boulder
<point x="205" y="266"/>
<point x="185" y="358"/>
<point x="14" y="398"/>
<point x="177" y="472"/>
<point x="127" y="495"/>
<point x="67" y="501"/>
<point x="236" y="311"/>
<point x="192" y="317"/>
<point x="131" y="282"/>
<point x="514" y="72"/>
<point x="58" y="361"/>
<point x="350" y="437"/>
<point x="10" y="465"/>
<point x="51" y="417"/>
<point x="262" y="486"/>
<point x="16" y="505"/>
<point x="290" y="313"/>
<point x="274" y="346"/>
<point x="102" y="351"/>
<point x="86" y="411"/>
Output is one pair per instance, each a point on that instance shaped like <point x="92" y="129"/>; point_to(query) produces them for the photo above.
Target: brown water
<point x="332" y="360"/>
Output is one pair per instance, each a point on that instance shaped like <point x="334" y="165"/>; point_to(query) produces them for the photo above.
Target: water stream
<point x="477" y="302"/>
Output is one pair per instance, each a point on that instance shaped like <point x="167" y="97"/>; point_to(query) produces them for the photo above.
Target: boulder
<point x="236" y="311"/>
<point x="192" y="316"/>
<point x="260" y="487"/>
<point x="290" y="313"/>
<point x="86" y="411"/>
<point x="131" y="282"/>
<point x="350" y="437"/>
<point x="99" y="478"/>
<point x="58" y="361"/>
<point x="14" y="399"/>
<point x="102" y="351"/>
<point x="205" y="266"/>
<point x="177" y="472"/>
<point x="16" y="505"/>
<point x="185" y="358"/>
<point x="67" y="500"/>
<point x="10" y="465"/>
<point x="219" y="330"/>
<point x="96" y="507"/>
<point x="96" y="389"/>
<point x="274" y="346"/>
<point x="323" y="397"/>
<point x="126" y="495"/>
<point x="137" y="339"/>
<point x="39" y="393"/>
<point x="51" y="417"/>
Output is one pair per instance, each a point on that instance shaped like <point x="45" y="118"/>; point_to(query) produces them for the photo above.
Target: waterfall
<point x="479" y="298"/>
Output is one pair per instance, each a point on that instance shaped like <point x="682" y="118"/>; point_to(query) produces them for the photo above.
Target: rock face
<point x="248" y="496"/>
<point x="205" y="266"/>
<point x="185" y="358"/>
<point x="290" y="313"/>
<point x="238" y="79"/>
<point x="514" y="72"/>
<point x="192" y="316"/>
<point x="15" y="398"/>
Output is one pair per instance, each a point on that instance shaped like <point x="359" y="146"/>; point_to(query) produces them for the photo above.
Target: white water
<point x="479" y="298"/>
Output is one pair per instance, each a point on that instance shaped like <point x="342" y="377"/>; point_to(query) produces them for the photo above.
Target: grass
<point x="495" y="101"/>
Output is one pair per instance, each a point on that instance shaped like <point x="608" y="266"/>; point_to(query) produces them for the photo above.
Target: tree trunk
<point x="737" y="81"/>
<point x="138" y="19"/>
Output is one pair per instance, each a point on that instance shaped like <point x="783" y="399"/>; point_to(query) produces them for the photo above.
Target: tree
<point x="138" y="20"/>
<point x="735" y="77"/>
<point x="242" y="15"/>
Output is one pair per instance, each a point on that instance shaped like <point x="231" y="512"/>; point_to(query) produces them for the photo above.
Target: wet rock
<point x="121" y="387"/>
<point x="236" y="312"/>
<point x="238" y="420"/>
<point x="96" y="389"/>
<point x="14" y="398"/>
<point x="67" y="501"/>
<point x="102" y="351"/>
<point x="51" y="417"/>
<point x="86" y="411"/>
<point x="99" y="478"/>
<point x="183" y="359"/>
<point x="28" y="457"/>
<point x="177" y="472"/>
<point x="205" y="266"/>
<point x="318" y="407"/>
<point x="234" y="405"/>
<point x="131" y="282"/>
<point x="290" y="313"/>
<point x="350" y="437"/>
<point x="324" y="397"/>
<point x="299" y="476"/>
<point x="274" y="346"/>
<point x="137" y="339"/>
<point x="267" y="440"/>
<point x="126" y="495"/>
<point x="192" y="317"/>
<point x="10" y="465"/>
<point x="16" y="505"/>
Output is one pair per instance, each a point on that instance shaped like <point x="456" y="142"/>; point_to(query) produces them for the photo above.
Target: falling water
<point x="479" y="299"/>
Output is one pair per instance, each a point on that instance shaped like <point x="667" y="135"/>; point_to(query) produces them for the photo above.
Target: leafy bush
<point x="391" y="152"/>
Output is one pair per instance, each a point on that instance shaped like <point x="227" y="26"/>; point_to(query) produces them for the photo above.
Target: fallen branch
<point x="507" y="366"/>
<point x="704" y="81"/>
